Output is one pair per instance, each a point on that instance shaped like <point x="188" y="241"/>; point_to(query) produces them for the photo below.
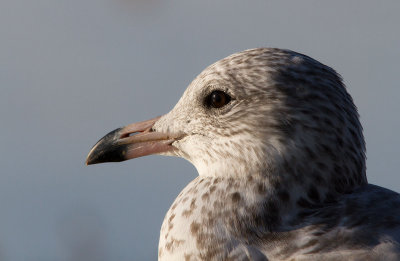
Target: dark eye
<point x="217" y="99"/>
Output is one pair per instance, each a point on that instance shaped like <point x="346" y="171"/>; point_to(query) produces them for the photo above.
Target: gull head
<point x="263" y="112"/>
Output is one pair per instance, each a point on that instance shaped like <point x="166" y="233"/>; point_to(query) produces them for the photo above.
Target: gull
<point x="278" y="146"/>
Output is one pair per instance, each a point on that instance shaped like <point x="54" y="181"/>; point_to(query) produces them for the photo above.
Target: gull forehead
<point x="279" y="149"/>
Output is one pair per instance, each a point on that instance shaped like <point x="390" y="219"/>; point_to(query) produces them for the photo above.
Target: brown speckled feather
<point x="278" y="145"/>
<point x="281" y="168"/>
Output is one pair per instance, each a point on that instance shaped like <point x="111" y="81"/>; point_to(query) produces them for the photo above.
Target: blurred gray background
<point x="73" y="70"/>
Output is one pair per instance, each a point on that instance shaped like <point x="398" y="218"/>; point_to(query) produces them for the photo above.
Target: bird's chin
<point x="173" y="152"/>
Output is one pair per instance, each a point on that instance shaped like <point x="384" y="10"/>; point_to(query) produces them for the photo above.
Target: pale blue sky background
<point x="72" y="70"/>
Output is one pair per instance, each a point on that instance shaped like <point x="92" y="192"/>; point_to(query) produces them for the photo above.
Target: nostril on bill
<point x="132" y="134"/>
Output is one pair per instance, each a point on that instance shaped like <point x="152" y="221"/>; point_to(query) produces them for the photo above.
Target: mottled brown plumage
<point x="281" y="167"/>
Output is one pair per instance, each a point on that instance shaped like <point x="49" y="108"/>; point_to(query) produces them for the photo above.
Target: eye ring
<point x="217" y="99"/>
